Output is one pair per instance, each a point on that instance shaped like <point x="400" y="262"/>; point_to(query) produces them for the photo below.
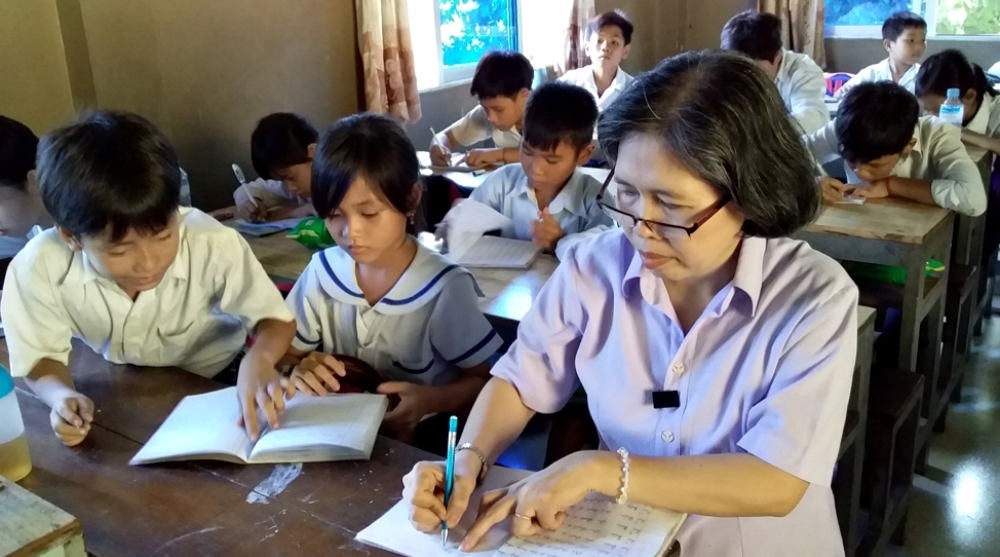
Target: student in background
<point x="951" y="69"/>
<point x="282" y="147"/>
<point x="701" y="293"/>
<point x="890" y="151"/>
<point x="904" y="37"/>
<point x="134" y="277"/>
<point x="502" y="82"/>
<point x="800" y="81"/>
<point x="547" y="196"/>
<point x="609" y="42"/>
<point x="379" y="295"/>
<point x="22" y="214"/>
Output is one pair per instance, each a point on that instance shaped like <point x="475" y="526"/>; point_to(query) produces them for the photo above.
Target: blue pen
<point x="449" y="474"/>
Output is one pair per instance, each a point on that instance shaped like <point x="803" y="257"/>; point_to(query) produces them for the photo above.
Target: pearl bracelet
<point x="623" y="494"/>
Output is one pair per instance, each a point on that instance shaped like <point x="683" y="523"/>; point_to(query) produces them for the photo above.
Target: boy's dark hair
<point x="720" y="116"/>
<point x="896" y="24"/>
<point x="875" y="119"/>
<point x="369" y="145"/>
<point x="280" y="140"/>
<point x="757" y="35"/>
<point x="951" y="69"/>
<point x="616" y="18"/>
<point x="110" y="171"/>
<point x="558" y="112"/>
<point x="18" y="146"/>
<point x="502" y="73"/>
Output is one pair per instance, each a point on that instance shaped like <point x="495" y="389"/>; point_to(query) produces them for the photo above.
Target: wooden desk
<point x="195" y="508"/>
<point x="509" y="293"/>
<point x="894" y="232"/>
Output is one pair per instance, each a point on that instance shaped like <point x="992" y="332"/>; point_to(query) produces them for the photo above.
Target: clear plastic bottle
<point x="185" y="189"/>
<point x="952" y="110"/>
<point x="15" y="463"/>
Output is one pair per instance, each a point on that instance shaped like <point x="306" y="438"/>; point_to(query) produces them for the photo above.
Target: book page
<point x="200" y="426"/>
<point x="467" y="222"/>
<point x="500" y="253"/>
<point x="349" y="421"/>
<point x="598" y="527"/>
<point x="393" y="531"/>
<point x="257" y="229"/>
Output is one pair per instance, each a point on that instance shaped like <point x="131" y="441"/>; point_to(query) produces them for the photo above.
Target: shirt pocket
<point x="175" y="341"/>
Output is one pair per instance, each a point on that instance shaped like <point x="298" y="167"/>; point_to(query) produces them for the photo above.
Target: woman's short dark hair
<point x="720" y="115"/>
<point x="951" y="69"/>
<point x="368" y="145"/>
<point x="109" y="171"/>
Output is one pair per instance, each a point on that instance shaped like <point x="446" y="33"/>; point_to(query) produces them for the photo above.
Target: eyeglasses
<point x="662" y="229"/>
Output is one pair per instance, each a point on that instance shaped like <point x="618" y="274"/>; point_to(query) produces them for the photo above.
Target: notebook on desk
<point x="467" y="226"/>
<point x="493" y="252"/>
<point x="257" y="229"/>
<point x="313" y="428"/>
<point x="595" y="527"/>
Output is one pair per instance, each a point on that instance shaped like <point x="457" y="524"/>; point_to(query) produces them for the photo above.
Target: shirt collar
<point x="749" y="276"/>
<point x="782" y="67"/>
<point x="570" y="198"/>
<point x="180" y="269"/>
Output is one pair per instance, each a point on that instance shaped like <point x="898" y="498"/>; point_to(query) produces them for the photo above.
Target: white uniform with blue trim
<point x="428" y="325"/>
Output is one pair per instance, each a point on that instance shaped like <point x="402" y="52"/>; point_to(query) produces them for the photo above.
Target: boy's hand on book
<point x="317" y="375"/>
<point x="401" y="421"/>
<point x="423" y="491"/>
<point x="71" y="417"/>
<point x="546" y="231"/>
<point x="480" y="158"/>
<point x="259" y="385"/>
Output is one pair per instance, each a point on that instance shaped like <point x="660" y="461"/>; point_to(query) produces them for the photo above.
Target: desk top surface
<point x="894" y="220"/>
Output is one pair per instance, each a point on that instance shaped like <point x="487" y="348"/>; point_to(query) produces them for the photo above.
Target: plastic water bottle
<point x="953" y="111"/>
<point x="15" y="463"/>
<point x="185" y="189"/>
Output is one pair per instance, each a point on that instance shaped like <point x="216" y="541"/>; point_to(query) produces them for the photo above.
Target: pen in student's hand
<point x="243" y="183"/>
<point x="449" y="474"/>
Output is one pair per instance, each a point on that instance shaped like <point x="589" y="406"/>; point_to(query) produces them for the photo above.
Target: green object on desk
<point x="312" y="233"/>
<point x="889" y="273"/>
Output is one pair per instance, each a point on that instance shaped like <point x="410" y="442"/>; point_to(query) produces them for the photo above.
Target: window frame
<point x="928" y="12"/>
<point x="453" y="75"/>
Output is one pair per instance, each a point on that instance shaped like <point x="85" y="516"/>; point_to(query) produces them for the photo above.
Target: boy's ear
<point x="32" y="182"/>
<point x="70" y="240"/>
<point x="626" y="50"/>
<point x="886" y="43"/>
<point x="311" y="149"/>
<point x="970" y="96"/>
<point x="584" y="155"/>
<point x="522" y="97"/>
<point x="909" y="148"/>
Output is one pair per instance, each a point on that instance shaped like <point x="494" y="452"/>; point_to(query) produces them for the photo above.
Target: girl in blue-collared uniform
<point x="379" y="295"/>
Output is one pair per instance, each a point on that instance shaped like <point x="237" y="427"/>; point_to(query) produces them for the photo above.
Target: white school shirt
<point x="986" y="122"/>
<point x="802" y="85"/>
<point x="12" y="245"/>
<point x="584" y="77"/>
<point x="881" y="72"/>
<point x="575" y="207"/>
<point x="197" y="318"/>
<point x="475" y="127"/>
<point x="428" y="325"/>
<point x="938" y="155"/>
<point x="766" y="370"/>
<point x="270" y="194"/>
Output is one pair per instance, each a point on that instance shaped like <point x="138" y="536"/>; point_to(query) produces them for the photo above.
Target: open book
<point x="313" y="428"/>
<point x="466" y="225"/>
<point x="257" y="229"/>
<point x="595" y="527"/>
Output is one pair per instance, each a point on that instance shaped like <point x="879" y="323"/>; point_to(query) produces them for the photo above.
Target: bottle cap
<point x="953" y="93"/>
<point x="6" y="382"/>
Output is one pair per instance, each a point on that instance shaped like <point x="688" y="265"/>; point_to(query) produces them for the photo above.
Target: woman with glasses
<point x="716" y="353"/>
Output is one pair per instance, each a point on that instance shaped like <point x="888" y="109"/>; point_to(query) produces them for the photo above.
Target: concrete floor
<point x="955" y="508"/>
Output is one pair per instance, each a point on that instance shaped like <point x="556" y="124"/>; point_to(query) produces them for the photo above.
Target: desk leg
<point x="909" y="332"/>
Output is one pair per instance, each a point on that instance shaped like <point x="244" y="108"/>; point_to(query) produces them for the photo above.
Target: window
<point x="864" y="18"/>
<point x="449" y="36"/>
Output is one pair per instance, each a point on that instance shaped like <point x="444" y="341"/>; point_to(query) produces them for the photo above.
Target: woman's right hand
<point x="316" y="374"/>
<point x="423" y="492"/>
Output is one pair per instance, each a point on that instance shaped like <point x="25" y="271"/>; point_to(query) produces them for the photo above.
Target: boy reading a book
<point x="547" y="196"/>
<point x="502" y="82"/>
<point x="281" y="149"/>
<point x="135" y="277"/>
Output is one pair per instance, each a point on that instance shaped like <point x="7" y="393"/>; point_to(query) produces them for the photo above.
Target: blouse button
<point x="667" y="436"/>
<point x="677" y="368"/>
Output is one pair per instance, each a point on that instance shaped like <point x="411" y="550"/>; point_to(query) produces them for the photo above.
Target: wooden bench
<point x="30" y="526"/>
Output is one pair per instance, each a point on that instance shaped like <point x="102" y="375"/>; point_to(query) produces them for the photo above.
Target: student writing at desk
<point x="502" y="82"/>
<point x="890" y="151"/>
<point x="547" y="196"/>
<point x="379" y="295"/>
<point x="716" y="354"/>
<point x="134" y="277"/>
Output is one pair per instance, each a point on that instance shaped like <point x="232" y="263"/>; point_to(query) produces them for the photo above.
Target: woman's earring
<point x="412" y="218"/>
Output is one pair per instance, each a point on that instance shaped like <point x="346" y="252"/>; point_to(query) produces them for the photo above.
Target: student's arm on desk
<point x="989" y="143"/>
<point x="807" y="104"/>
<point x="957" y="183"/>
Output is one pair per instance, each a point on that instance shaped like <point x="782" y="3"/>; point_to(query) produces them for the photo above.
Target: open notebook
<point x="466" y="225"/>
<point x="257" y="229"/>
<point x="596" y="527"/>
<point x="313" y="428"/>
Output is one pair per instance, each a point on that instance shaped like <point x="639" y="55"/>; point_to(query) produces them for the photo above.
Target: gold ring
<point x="522" y="517"/>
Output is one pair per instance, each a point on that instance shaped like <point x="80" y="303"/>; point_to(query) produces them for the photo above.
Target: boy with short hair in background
<point x="609" y="40"/>
<point x="282" y="147"/>
<point x="904" y="37"/>
<point x="22" y="214"/>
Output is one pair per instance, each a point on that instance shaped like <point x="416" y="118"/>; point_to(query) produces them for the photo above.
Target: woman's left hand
<point x="538" y="502"/>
